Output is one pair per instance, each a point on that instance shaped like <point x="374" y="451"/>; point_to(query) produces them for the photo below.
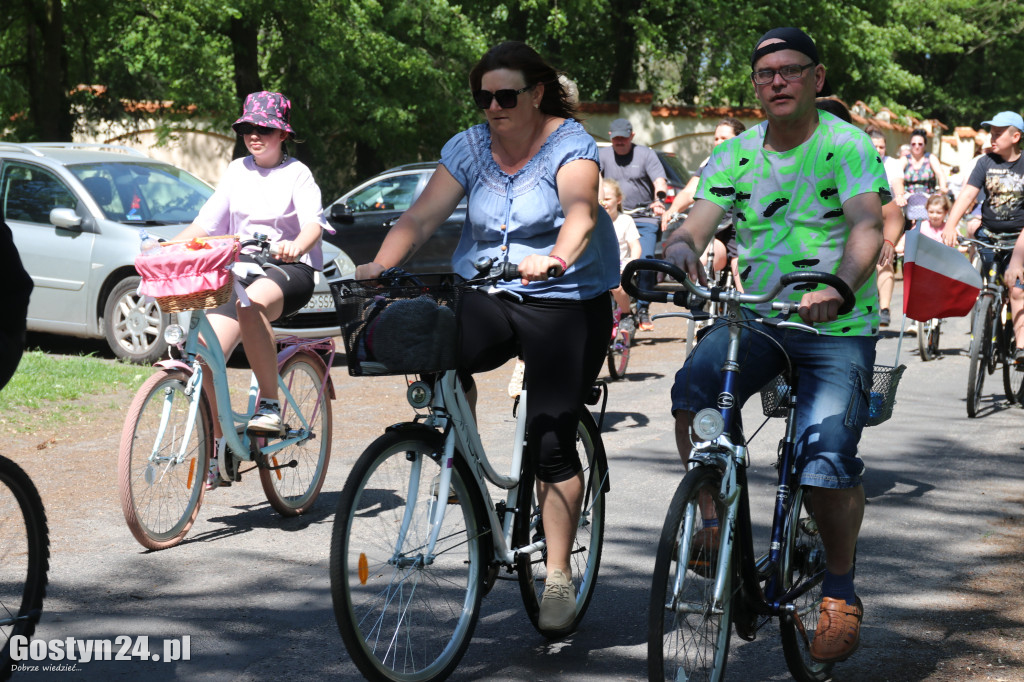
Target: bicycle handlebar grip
<point x="633" y="266"/>
<point x="823" y="278"/>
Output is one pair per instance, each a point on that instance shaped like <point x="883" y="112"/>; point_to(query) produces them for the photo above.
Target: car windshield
<point x="144" y="193"/>
<point x="673" y="166"/>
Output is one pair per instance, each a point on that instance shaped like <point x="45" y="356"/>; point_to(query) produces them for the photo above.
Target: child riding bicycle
<point x="272" y="193"/>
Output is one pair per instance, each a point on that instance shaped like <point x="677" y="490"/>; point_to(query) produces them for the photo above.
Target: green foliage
<point x="380" y="82"/>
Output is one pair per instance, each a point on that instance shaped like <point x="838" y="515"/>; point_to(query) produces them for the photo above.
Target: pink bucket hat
<point x="268" y="109"/>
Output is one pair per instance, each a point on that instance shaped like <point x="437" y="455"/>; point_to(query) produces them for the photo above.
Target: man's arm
<point x="686" y="243"/>
<point x="963" y="202"/>
<point x="864" y="216"/>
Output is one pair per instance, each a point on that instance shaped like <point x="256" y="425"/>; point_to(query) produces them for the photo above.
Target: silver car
<point x="76" y="212"/>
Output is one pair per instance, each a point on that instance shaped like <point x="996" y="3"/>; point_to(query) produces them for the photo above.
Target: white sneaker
<point x="558" y="604"/>
<point x="267" y="418"/>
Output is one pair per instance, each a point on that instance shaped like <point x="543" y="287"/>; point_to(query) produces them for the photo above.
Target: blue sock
<point x="839" y="587"/>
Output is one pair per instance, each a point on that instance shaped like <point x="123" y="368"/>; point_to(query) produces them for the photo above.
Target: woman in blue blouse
<point x="530" y="174"/>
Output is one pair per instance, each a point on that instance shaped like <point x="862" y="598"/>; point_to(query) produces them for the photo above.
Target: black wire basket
<point x="399" y="325"/>
<point x="885" y="380"/>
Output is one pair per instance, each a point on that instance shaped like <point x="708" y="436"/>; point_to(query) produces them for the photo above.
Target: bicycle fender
<point x="314" y="359"/>
<point x="416" y="430"/>
<point x="171" y="363"/>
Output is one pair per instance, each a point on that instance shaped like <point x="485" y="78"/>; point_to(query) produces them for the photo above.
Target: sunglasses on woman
<point x="249" y="129"/>
<point x="507" y="99"/>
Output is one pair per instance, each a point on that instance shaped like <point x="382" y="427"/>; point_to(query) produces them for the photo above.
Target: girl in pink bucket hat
<point x="271" y="193"/>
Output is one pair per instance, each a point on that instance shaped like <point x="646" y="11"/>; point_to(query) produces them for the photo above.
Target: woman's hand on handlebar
<point x="537" y="268"/>
<point x="683" y="257"/>
<point x="369" y="271"/>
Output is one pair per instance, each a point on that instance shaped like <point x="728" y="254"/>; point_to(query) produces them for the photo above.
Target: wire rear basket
<point x="883" y="393"/>
<point x="885" y="379"/>
<point x="406" y="325"/>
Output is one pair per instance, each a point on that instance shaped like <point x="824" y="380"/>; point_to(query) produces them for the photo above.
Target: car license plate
<point x="319" y="303"/>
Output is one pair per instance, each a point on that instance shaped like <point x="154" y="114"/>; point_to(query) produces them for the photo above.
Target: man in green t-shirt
<point x="806" y="191"/>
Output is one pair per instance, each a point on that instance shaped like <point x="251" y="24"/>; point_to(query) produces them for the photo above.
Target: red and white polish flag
<point x="938" y="281"/>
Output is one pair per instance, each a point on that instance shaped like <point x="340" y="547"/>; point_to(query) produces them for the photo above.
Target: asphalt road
<point x="251" y="591"/>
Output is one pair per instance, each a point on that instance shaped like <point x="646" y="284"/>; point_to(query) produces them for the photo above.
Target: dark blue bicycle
<point x="707" y="577"/>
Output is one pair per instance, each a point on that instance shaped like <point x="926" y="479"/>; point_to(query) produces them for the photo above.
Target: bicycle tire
<point x="412" y="621"/>
<point x="24" y="558"/>
<point x="924" y="340"/>
<point x="618" y="354"/>
<point x="292" y="489"/>
<point x="981" y="325"/>
<point x="933" y="338"/>
<point x="685" y="638"/>
<point x="803" y="557"/>
<point x="585" y="556"/>
<point x="157" y="513"/>
<point x="1012" y="376"/>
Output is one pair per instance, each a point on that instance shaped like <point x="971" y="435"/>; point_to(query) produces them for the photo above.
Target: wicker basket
<point x="409" y="327"/>
<point x="180" y="268"/>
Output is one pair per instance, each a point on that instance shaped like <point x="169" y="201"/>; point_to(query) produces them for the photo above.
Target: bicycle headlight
<point x="708" y="424"/>
<point x="419" y="394"/>
<point x="174" y="334"/>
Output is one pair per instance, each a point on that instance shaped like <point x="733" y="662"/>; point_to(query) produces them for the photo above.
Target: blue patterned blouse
<point x="512" y="216"/>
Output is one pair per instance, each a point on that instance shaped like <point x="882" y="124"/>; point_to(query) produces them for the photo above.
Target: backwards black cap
<point x="788" y="38"/>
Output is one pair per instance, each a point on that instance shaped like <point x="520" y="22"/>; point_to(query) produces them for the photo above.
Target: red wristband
<point x="560" y="261"/>
<point x="886" y="241"/>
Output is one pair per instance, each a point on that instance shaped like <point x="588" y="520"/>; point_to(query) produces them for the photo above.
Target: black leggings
<point x="563" y="343"/>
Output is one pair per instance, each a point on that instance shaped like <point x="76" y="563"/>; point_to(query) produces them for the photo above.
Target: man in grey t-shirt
<point x="641" y="176"/>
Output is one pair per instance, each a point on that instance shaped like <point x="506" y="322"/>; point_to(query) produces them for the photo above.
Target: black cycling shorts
<point x="297" y="287"/>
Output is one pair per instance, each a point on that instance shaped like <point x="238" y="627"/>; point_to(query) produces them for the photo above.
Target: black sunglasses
<point x="249" y="129"/>
<point x="507" y="99"/>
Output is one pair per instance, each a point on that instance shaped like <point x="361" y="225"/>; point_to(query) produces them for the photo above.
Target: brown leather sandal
<point x="838" y="632"/>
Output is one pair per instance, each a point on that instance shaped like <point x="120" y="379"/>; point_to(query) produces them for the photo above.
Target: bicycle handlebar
<point x="996" y="245"/>
<point x="719" y="294"/>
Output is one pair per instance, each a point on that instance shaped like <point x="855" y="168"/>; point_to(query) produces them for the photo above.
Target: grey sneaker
<point x="267" y="418"/>
<point x="558" y="604"/>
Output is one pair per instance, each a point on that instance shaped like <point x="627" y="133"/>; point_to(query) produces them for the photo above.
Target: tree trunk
<point x="244" y="37"/>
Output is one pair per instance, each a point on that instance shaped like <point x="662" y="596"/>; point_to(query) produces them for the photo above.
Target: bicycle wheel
<point x="687" y="634"/>
<point x="803" y="559"/>
<point x="298" y="472"/>
<point x="161" y="475"/>
<point x="618" y="354"/>
<point x="1012" y="375"/>
<point x="585" y="556"/>
<point x="933" y="337"/>
<point x="24" y="558"/>
<point x="981" y="350"/>
<point x="924" y="339"/>
<point x="403" y="615"/>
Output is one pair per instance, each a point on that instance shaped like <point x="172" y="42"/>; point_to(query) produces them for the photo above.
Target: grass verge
<point x="47" y="389"/>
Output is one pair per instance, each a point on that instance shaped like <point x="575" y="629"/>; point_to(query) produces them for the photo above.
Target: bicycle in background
<point x="167" y="440"/>
<point x="24" y="558"/>
<point x="418" y="540"/>
<point x="992" y="338"/>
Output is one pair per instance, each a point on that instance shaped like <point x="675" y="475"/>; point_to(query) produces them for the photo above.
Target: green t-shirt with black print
<point x="788" y="208"/>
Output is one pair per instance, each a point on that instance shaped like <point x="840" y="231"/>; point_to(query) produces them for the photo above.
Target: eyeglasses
<point x="789" y="72"/>
<point x="507" y="99"/>
<point x="249" y="129"/>
<point x="917" y="144"/>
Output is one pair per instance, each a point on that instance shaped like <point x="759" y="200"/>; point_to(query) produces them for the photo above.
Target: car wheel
<point x="134" y="329"/>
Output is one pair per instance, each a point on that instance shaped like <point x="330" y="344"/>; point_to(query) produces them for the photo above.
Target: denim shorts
<point x="834" y="391"/>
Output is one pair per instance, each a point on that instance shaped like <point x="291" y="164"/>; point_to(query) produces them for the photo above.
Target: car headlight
<point x="346" y="268"/>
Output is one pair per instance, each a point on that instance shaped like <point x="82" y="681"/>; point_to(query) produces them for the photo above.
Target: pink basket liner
<point x="178" y="271"/>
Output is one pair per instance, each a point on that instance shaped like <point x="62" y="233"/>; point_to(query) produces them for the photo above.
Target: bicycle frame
<point x="450" y="413"/>
<point x="733" y="460"/>
<point x="233" y="423"/>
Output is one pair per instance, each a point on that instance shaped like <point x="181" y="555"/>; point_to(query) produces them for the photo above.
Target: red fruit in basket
<point x="196" y="245"/>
